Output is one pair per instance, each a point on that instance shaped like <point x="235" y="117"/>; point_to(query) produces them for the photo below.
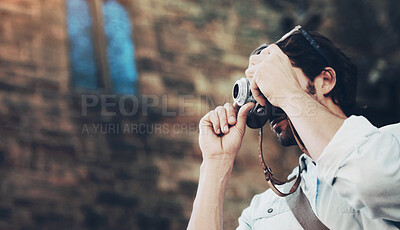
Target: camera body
<point x="258" y="115"/>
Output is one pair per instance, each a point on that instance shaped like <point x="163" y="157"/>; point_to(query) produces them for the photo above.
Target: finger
<point x="223" y="120"/>
<point x="215" y="121"/>
<point x="251" y="71"/>
<point x="258" y="96"/>
<point x="275" y="50"/>
<point x="266" y="50"/>
<point x="236" y="108"/>
<point x="242" y="116"/>
<point x="277" y="54"/>
<point x="205" y="124"/>
<point x="255" y="59"/>
<point x="230" y="113"/>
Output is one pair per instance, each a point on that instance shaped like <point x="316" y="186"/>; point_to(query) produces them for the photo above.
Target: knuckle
<point x="253" y="59"/>
<point x="201" y="122"/>
<point x="204" y="119"/>
<point x="274" y="57"/>
<point x="212" y="114"/>
<point x="220" y="110"/>
<point x="247" y="72"/>
<point x="265" y="51"/>
<point x="214" y="121"/>
<point x="272" y="47"/>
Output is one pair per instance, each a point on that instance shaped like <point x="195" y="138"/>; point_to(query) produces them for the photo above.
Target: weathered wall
<point x="56" y="174"/>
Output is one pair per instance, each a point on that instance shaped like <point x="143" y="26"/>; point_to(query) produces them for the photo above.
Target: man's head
<point x="332" y="84"/>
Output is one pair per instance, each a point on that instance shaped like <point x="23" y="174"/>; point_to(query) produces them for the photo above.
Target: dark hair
<point x="303" y="55"/>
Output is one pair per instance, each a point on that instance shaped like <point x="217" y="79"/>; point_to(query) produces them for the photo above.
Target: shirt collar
<point x="304" y="160"/>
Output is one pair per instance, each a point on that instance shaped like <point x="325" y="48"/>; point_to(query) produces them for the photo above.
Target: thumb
<point x="242" y="116"/>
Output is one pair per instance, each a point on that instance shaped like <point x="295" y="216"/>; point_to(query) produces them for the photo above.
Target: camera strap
<point x="297" y="202"/>
<point x="269" y="176"/>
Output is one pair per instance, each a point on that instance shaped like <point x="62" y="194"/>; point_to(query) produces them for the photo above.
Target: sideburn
<point x="311" y="88"/>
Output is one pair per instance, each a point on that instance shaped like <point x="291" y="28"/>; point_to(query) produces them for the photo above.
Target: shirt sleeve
<point x="362" y="164"/>
<point x="245" y="220"/>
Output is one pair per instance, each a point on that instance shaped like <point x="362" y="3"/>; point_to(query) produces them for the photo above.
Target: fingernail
<point x="226" y="129"/>
<point x="218" y="131"/>
<point x="232" y="119"/>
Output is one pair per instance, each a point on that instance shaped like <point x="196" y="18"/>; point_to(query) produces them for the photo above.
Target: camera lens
<point x="241" y="92"/>
<point x="235" y="91"/>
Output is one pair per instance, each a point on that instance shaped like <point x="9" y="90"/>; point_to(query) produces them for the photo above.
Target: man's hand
<point x="272" y="76"/>
<point x="222" y="130"/>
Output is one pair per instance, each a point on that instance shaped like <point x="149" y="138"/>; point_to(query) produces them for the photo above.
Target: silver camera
<point x="241" y="92"/>
<point x="258" y="115"/>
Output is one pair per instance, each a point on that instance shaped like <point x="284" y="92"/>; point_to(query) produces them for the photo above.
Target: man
<point x="351" y="172"/>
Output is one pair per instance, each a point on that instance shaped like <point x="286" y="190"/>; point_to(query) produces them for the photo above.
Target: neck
<point x="333" y="108"/>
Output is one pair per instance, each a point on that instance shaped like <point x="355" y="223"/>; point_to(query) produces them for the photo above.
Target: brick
<point x="188" y="187"/>
<point x="147" y="64"/>
<point x="51" y="218"/>
<point x="178" y="85"/>
<point x="149" y="221"/>
<point x="112" y="198"/>
<point x="45" y="84"/>
<point x="92" y="219"/>
<point x="11" y="52"/>
<point x="21" y="7"/>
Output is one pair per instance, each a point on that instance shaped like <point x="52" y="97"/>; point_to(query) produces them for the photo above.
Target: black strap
<point x="303" y="212"/>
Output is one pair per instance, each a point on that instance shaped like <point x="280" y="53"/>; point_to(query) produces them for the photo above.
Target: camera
<point x="258" y="115"/>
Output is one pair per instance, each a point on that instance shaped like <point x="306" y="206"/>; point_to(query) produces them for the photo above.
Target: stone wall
<point x="61" y="167"/>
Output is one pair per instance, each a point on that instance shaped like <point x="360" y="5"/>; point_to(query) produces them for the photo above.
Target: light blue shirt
<point x="355" y="184"/>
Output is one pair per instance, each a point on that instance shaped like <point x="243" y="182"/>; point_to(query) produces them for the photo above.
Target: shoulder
<point x="393" y="129"/>
<point x="363" y="123"/>
<point x="267" y="204"/>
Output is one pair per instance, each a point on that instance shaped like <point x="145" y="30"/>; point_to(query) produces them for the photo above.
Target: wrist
<point x="219" y="157"/>
<point x="218" y="168"/>
<point x="294" y="103"/>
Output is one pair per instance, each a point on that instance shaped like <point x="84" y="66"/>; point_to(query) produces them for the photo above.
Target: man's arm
<point x="314" y="123"/>
<point x="221" y="133"/>
<point x="208" y="206"/>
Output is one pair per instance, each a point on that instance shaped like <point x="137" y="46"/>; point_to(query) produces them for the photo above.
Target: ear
<point x="325" y="81"/>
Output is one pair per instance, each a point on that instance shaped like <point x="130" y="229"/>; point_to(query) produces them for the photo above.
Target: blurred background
<point x="100" y="101"/>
